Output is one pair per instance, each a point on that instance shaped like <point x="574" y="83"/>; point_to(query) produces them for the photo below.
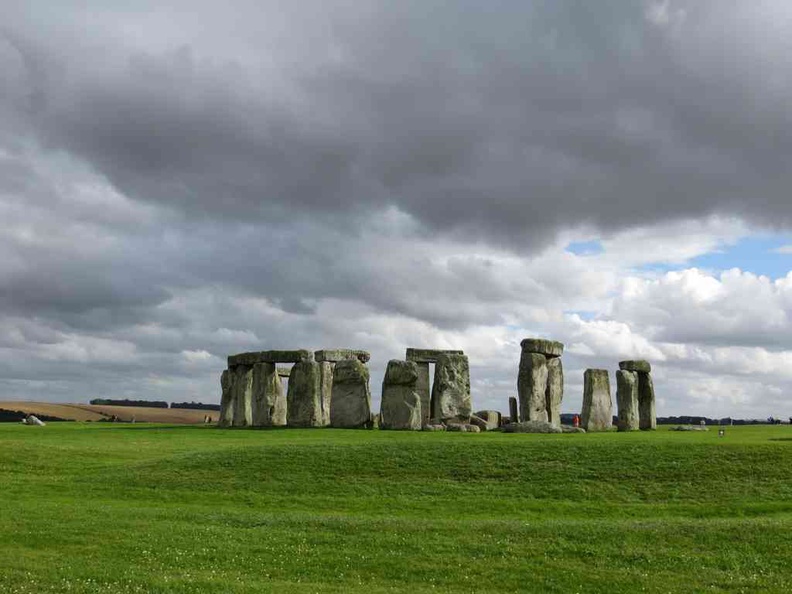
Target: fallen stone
<point x="689" y="428"/>
<point x="627" y="400"/>
<point x="242" y="395"/>
<point x="531" y="427"/>
<point x="401" y="404"/>
<point x="428" y="355"/>
<point x="572" y="429"/>
<point x="554" y="393"/>
<point x="433" y="427"/>
<point x="458" y="427"/>
<point x="491" y="417"/>
<point x="336" y="355"/>
<point x="471" y="428"/>
<point x="479" y="422"/>
<point x="270" y="357"/>
<point x="597" y="412"/>
<point x="638" y="365"/>
<point x="226" y="400"/>
<point x="531" y="387"/>
<point x="33" y="420"/>
<point x="647" y="420"/>
<point x="451" y="388"/>
<point x="548" y="348"/>
<point x="350" y="405"/>
<point x="304" y="398"/>
<point x="268" y="400"/>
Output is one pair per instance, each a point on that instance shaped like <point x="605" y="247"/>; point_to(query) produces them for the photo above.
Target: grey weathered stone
<point x="458" y="427"/>
<point x="424" y="389"/>
<point x="268" y="402"/>
<point x="472" y="428"/>
<point x="401" y="405"/>
<point x="637" y="365"/>
<point x="479" y="422"/>
<point x="647" y="420"/>
<point x="627" y="400"/>
<point x="433" y="427"/>
<point x="350" y="406"/>
<point x="554" y="392"/>
<point x="491" y="417"/>
<point x="451" y="388"/>
<point x="269" y="357"/>
<point x="531" y="387"/>
<point x="597" y="412"/>
<point x="336" y="355"/>
<point x="305" y="395"/>
<point x="572" y="429"/>
<point x="531" y="427"/>
<point x="226" y="400"/>
<point x="548" y="348"/>
<point x="689" y="428"/>
<point x="241" y="388"/>
<point x="428" y="355"/>
<point x="326" y="389"/>
<point x="514" y="411"/>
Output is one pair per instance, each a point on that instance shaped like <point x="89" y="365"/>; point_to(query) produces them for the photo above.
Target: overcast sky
<point x="179" y="183"/>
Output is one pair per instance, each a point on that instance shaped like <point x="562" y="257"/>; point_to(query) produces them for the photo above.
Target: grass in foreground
<point x="147" y="508"/>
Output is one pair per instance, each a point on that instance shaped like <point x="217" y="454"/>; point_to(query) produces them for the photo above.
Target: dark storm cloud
<point x="508" y="122"/>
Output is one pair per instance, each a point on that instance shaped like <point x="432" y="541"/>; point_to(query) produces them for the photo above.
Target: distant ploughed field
<point x="99" y="412"/>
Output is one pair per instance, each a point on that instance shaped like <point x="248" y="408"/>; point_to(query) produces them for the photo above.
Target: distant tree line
<point x="195" y="405"/>
<point x="155" y="404"/>
<point x="15" y="416"/>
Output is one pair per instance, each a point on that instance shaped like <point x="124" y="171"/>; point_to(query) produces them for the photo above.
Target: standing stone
<point x="554" y="393"/>
<point x="326" y="391"/>
<point x="597" y="403"/>
<point x="268" y="399"/>
<point x="401" y="403"/>
<point x="304" y="400"/>
<point x="451" y="388"/>
<point x="647" y="419"/>
<point x="226" y="400"/>
<point x="350" y="406"/>
<point x="531" y="387"/>
<point x="627" y="400"/>
<point x="514" y="414"/>
<point x="242" y="393"/>
<point x="423" y="387"/>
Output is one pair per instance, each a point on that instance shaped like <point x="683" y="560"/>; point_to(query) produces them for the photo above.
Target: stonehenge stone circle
<point x="423" y="357"/>
<point x="451" y="388"/>
<point x="597" y="403"/>
<point x="532" y="387"/>
<point x="627" y="400"/>
<point x="401" y="403"/>
<point x="304" y="398"/>
<point x="540" y="381"/>
<point x="350" y="406"/>
<point x="555" y="390"/>
<point x="268" y="403"/>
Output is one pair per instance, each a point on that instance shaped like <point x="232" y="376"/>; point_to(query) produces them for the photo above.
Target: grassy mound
<point x="143" y="508"/>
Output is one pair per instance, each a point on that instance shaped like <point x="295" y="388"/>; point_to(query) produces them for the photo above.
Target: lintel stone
<point x="637" y="365"/>
<point x="548" y="348"/>
<point x="336" y="355"/>
<point x="270" y="357"/>
<point x="428" y="355"/>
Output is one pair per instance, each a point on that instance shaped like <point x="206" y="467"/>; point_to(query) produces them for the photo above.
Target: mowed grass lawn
<point x="153" y="508"/>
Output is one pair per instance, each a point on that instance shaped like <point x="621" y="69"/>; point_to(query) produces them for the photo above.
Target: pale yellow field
<point x="91" y="412"/>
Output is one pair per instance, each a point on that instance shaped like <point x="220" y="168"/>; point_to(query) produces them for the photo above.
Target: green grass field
<point x="152" y="508"/>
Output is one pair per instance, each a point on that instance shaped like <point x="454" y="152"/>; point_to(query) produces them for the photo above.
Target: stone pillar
<point x="532" y="381"/>
<point x="554" y="392"/>
<point x="268" y="399"/>
<point x="514" y="414"/>
<point x="241" y="389"/>
<point x="647" y="419"/>
<point x="226" y="400"/>
<point x="401" y="403"/>
<point x="423" y="387"/>
<point x="597" y="403"/>
<point x="451" y="389"/>
<point x="326" y="391"/>
<point x="304" y="400"/>
<point x="350" y="406"/>
<point x="627" y="400"/>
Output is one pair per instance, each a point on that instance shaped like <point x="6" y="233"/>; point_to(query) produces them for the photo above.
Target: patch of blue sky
<point x="759" y="254"/>
<point x="585" y="248"/>
<point x="584" y="315"/>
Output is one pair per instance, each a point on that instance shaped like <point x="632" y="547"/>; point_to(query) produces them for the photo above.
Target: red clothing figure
<point x="576" y="421"/>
